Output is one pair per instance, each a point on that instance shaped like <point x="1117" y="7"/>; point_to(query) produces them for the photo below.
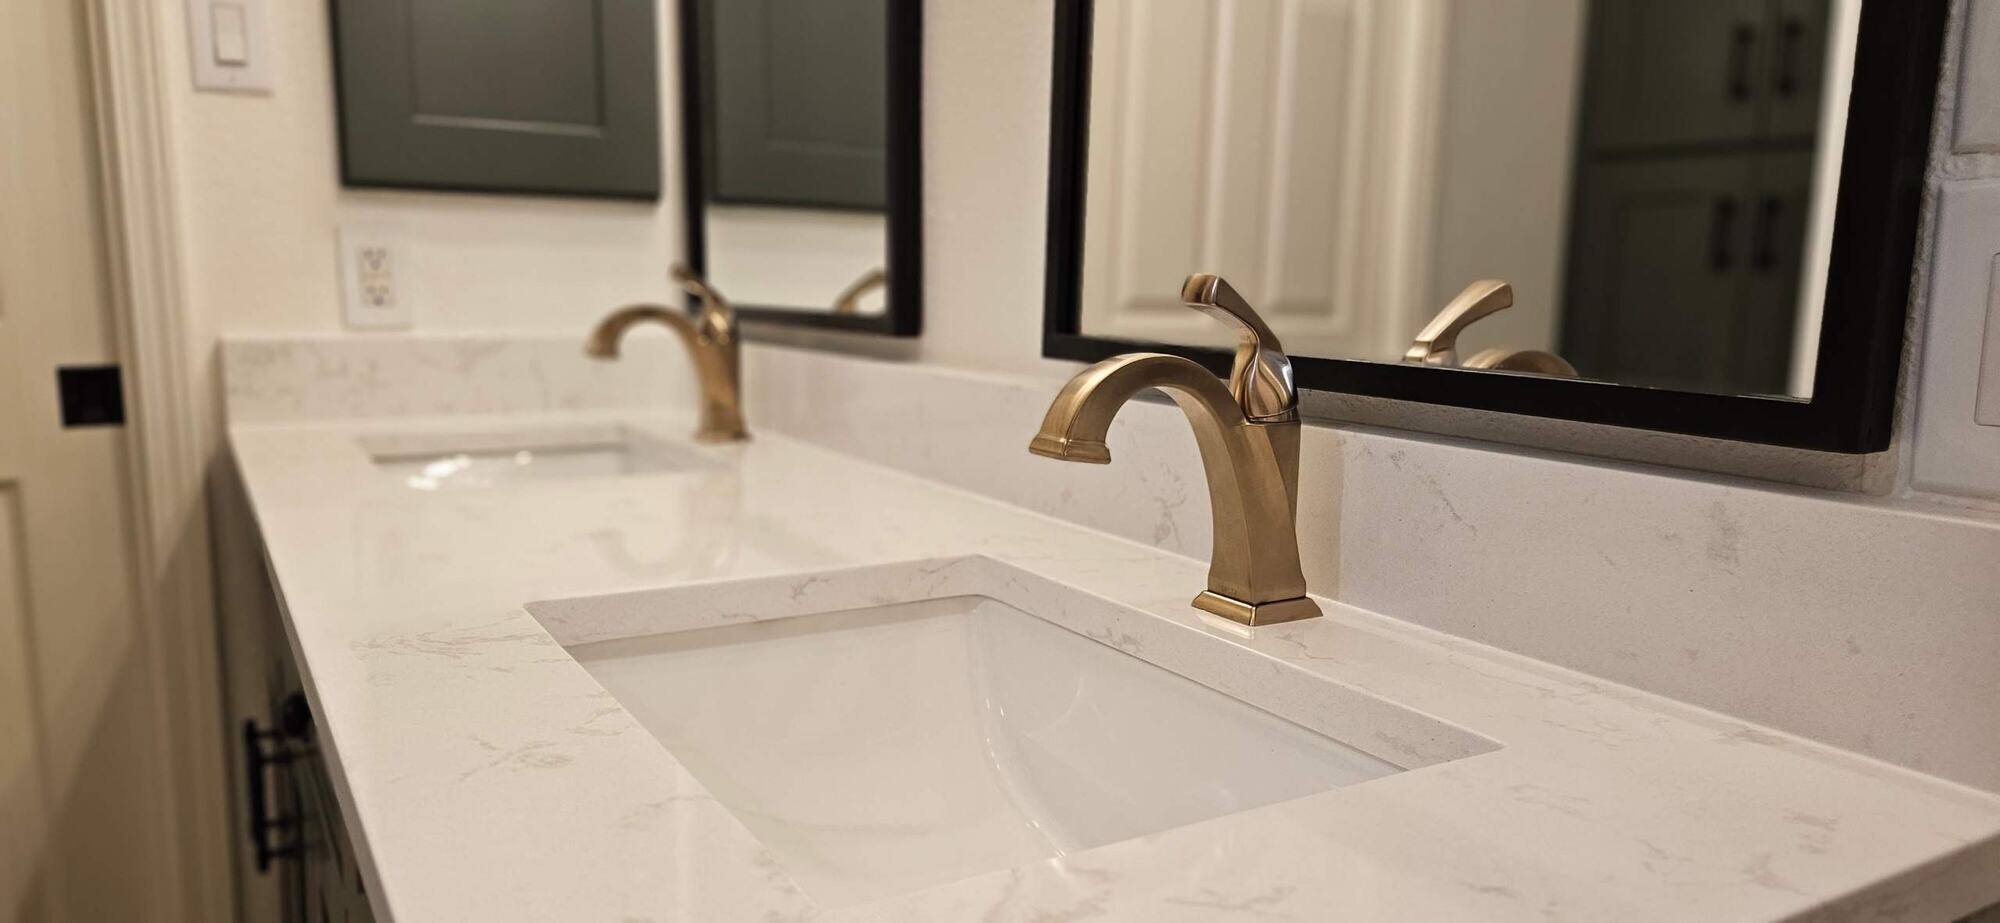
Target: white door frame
<point x="169" y="442"/>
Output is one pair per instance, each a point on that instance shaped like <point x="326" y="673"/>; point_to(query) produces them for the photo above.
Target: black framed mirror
<point x="801" y="134"/>
<point x="1707" y="208"/>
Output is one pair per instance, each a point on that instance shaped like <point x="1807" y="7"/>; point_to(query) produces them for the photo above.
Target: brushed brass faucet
<point x="1437" y="344"/>
<point x="710" y="338"/>
<point x="1248" y="434"/>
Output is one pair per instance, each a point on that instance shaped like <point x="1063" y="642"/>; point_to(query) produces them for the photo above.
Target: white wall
<point x="794" y="257"/>
<point x="1506" y="142"/>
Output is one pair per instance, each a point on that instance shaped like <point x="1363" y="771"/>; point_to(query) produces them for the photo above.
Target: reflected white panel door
<point x="82" y="833"/>
<point x="1286" y="144"/>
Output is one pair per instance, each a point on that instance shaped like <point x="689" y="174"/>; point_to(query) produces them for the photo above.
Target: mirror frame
<point x="1869" y="277"/>
<point x="904" y="257"/>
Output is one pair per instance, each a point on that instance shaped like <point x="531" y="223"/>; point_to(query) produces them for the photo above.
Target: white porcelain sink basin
<point x="477" y="460"/>
<point x="885" y="748"/>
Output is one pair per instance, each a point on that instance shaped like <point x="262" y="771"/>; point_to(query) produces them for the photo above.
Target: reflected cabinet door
<point x="1667" y="72"/>
<point x="1657" y="265"/>
<point x="797" y="114"/>
<point x="1685" y="271"/>
<point x="499" y="95"/>
<point x="1798" y="60"/>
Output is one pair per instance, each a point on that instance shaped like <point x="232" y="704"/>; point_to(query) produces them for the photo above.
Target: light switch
<point x="232" y="42"/>
<point x="228" y="42"/>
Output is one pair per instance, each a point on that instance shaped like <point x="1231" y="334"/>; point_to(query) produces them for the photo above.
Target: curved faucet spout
<point x="1251" y="468"/>
<point x="711" y="343"/>
<point x="609" y="334"/>
<point x="1074" y="428"/>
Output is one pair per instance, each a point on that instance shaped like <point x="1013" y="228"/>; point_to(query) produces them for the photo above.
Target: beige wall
<point x="261" y="200"/>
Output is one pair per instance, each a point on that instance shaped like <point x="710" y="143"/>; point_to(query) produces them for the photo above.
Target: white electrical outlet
<point x="375" y="279"/>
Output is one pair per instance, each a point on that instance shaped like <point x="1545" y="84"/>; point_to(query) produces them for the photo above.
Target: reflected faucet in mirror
<point x="1438" y="343"/>
<point x="1248" y="433"/>
<point x="849" y="299"/>
<point x="711" y="341"/>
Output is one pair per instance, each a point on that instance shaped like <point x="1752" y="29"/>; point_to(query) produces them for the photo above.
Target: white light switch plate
<point x="376" y="284"/>
<point x="1957" y="451"/>
<point x="229" y="42"/>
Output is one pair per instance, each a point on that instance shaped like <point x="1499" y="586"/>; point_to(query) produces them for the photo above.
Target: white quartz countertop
<point x="485" y="775"/>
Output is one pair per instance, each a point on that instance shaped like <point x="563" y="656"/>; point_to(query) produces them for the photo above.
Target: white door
<point x="83" y="833"/>
<point x="1285" y="144"/>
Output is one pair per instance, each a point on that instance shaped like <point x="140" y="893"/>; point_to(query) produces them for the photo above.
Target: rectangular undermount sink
<point x="445" y="461"/>
<point x="883" y="748"/>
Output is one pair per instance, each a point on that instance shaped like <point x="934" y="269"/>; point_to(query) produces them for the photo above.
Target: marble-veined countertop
<point x="485" y="775"/>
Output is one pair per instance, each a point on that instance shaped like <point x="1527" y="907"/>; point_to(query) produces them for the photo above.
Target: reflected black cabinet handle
<point x="1791" y="37"/>
<point x="1764" y="254"/>
<point x="1722" y="233"/>
<point x="1742" y="44"/>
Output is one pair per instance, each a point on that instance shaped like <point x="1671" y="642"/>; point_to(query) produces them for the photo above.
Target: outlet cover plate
<point x="375" y="279"/>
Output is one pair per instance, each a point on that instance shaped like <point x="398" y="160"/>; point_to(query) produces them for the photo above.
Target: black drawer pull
<point x="1742" y="48"/>
<point x="1764" y="254"/>
<point x="1722" y="234"/>
<point x="1791" y="38"/>
<point x="263" y="751"/>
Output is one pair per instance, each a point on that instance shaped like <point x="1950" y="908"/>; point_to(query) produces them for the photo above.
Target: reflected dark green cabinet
<point x="531" y="96"/>
<point x="1694" y="163"/>
<point x="797" y="113"/>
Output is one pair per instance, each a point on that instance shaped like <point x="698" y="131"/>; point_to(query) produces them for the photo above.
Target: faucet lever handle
<point x="715" y="309"/>
<point x="1437" y="344"/>
<point x="1261" y="378"/>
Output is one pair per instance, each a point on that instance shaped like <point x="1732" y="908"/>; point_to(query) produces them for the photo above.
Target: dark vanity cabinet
<point x="294" y="860"/>
<point x="1693" y="177"/>
<point x="330" y="889"/>
<point x="795" y="112"/>
<point x="297" y="841"/>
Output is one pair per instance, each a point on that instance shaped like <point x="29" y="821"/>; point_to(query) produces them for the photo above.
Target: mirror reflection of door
<point x="795" y="118"/>
<point x="1653" y="177"/>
